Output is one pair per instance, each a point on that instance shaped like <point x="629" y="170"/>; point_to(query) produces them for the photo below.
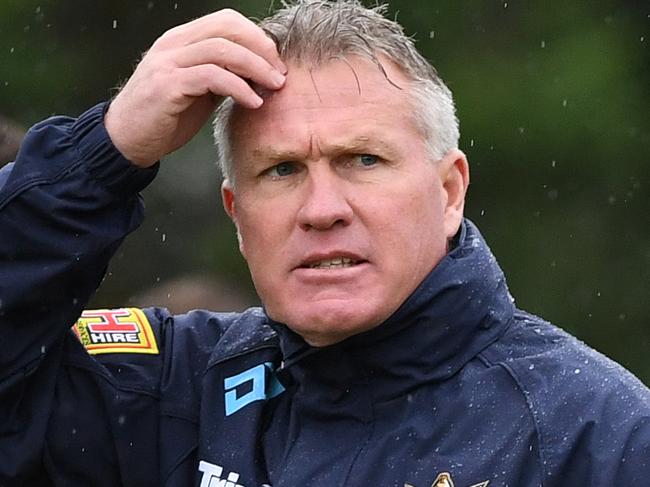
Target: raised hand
<point x="182" y="78"/>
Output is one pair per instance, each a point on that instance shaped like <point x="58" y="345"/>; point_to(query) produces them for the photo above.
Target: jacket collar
<point x="461" y="307"/>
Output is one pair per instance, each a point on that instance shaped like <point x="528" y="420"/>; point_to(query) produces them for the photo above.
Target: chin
<point x="321" y="326"/>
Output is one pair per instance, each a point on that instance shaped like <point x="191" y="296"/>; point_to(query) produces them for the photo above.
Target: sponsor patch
<point x="124" y="330"/>
<point x="263" y="385"/>
<point x="213" y="476"/>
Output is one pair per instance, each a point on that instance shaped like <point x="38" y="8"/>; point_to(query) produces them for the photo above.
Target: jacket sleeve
<point x="65" y="205"/>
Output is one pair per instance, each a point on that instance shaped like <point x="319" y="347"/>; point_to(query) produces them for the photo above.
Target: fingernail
<point x="282" y="68"/>
<point x="278" y="78"/>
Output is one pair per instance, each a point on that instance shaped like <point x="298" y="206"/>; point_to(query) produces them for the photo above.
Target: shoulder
<point x="150" y="331"/>
<point x="542" y="357"/>
<point x="146" y="342"/>
<point x="211" y="334"/>
<point x="584" y="405"/>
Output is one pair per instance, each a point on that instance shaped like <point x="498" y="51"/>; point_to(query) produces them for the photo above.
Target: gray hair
<point x="316" y="31"/>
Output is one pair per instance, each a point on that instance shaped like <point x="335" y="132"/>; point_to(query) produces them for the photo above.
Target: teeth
<point x="333" y="263"/>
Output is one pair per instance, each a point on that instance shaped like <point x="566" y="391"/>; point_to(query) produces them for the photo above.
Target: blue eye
<point x="368" y="159"/>
<point x="283" y="169"/>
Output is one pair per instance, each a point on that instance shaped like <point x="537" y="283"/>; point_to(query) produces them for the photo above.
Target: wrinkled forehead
<point x="338" y="90"/>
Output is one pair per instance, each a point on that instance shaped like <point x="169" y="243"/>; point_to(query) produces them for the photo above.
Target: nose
<point x="325" y="204"/>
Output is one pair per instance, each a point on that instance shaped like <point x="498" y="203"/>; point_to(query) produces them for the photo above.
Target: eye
<point x="368" y="160"/>
<point x="282" y="170"/>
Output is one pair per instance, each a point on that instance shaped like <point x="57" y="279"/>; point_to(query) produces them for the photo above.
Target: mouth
<point x="335" y="262"/>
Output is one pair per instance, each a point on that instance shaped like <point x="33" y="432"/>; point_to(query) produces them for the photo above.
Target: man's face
<point x="340" y="210"/>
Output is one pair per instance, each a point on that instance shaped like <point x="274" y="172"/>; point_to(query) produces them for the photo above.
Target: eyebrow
<point x="359" y="143"/>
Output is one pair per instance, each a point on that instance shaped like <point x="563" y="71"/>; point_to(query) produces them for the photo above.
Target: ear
<point x="454" y="175"/>
<point x="228" y="199"/>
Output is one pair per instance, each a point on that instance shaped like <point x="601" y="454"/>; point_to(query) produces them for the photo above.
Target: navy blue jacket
<point x="457" y="388"/>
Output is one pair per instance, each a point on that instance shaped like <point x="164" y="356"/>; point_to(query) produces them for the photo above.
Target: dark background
<point x="553" y="100"/>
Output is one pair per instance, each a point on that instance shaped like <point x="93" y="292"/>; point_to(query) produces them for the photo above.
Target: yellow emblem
<point x="124" y="330"/>
<point x="444" y="480"/>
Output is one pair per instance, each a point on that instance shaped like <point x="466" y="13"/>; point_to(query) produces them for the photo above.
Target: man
<point x="389" y="351"/>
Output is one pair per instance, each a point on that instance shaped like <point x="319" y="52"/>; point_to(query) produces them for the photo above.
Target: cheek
<point x="262" y="235"/>
<point x="416" y="231"/>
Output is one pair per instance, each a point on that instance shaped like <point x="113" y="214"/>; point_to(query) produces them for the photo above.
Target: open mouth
<point x="335" y="263"/>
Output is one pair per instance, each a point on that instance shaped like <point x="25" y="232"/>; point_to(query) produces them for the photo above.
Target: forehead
<point x="351" y="99"/>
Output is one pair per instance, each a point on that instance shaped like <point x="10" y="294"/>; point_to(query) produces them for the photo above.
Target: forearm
<point x="69" y="201"/>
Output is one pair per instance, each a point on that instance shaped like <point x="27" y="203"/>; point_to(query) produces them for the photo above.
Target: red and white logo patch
<point x="124" y="330"/>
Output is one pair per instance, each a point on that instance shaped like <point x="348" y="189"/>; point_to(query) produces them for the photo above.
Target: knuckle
<point x="221" y="47"/>
<point x="270" y="44"/>
<point x="155" y="65"/>
<point x="168" y="37"/>
<point x="229" y="13"/>
<point x="232" y="19"/>
<point x="207" y="73"/>
<point x="270" y="48"/>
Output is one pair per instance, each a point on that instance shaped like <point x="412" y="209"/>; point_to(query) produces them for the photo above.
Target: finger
<point x="230" y="56"/>
<point x="228" y="24"/>
<point x="200" y="80"/>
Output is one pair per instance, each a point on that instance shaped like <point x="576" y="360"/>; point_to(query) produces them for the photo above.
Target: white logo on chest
<point x="212" y="476"/>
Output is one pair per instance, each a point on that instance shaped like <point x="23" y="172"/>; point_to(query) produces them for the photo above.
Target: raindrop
<point x="505" y="4"/>
<point x="114" y="23"/>
<point x="543" y="44"/>
<point x="471" y="143"/>
<point x="531" y="366"/>
<point x="175" y="6"/>
<point x="121" y="420"/>
<point x="564" y="103"/>
<point x="11" y="51"/>
<point x="432" y="34"/>
<point x="164" y="237"/>
<point x="642" y="39"/>
<point x="553" y="163"/>
<point x="577" y="371"/>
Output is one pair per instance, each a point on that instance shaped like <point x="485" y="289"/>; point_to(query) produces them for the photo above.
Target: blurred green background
<point x="554" y="106"/>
